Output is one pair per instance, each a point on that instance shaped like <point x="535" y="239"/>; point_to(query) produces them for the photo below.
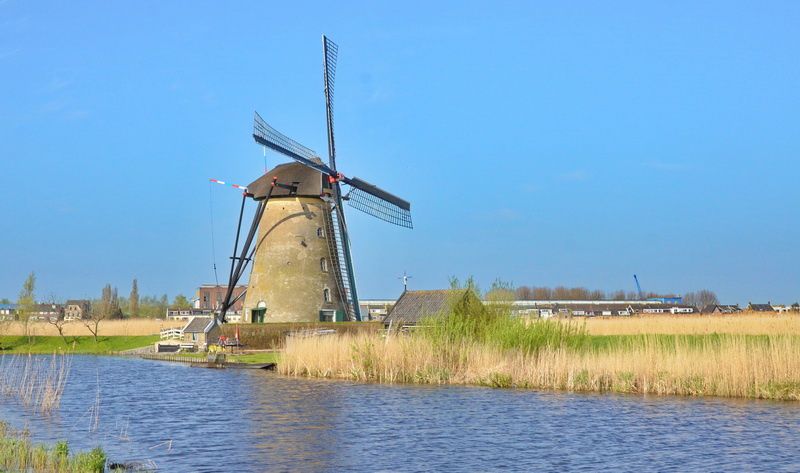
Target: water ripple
<point x="189" y="419"/>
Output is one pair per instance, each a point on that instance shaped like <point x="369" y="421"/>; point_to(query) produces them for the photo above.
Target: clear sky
<point x="544" y="143"/>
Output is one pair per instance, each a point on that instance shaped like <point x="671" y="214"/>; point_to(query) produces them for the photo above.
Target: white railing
<point x="171" y="334"/>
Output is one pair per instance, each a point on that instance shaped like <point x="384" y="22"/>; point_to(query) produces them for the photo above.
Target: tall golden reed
<point x="126" y="327"/>
<point x="34" y="380"/>
<point x="746" y="323"/>
<point x="731" y="365"/>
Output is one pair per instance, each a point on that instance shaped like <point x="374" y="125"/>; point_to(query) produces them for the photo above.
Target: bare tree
<point x="597" y="295"/>
<point x="59" y="321"/>
<point x="106" y="308"/>
<point x="618" y="296"/>
<point x="524" y="293"/>
<point x="542" y="293"/>
<point x="701" y="298"/>
<point x="26" y="304"/>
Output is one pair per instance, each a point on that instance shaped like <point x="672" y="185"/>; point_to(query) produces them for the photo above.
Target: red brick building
<point x="210" y="296"/>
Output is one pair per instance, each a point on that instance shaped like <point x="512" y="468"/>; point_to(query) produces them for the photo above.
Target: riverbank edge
<point x="77" y="345"/>
<point x="119" y="345"/>
<point x="557" y="370"/>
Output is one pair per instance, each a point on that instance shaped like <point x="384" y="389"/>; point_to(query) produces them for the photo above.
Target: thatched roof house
<point x="413" y="306"/>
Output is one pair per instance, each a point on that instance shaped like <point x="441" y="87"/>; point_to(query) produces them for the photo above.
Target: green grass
<point x="273" y="335"/>
<point x="77" y="345"/>
<point x="666" y="341"/>
<point x="494" y="326"/>
<point x="18" y="453"/>
<point x="253" y="358"/>
<point x="473" y="322"/>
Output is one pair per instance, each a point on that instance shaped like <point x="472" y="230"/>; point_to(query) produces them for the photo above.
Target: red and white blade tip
<point x="236" y="186"/>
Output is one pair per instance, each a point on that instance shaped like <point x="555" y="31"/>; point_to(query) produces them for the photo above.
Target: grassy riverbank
<point x="492" y="349"/>
<point x="251" y="358"/>
<point x="19" y="453"/>
<point x="76" y="345"/>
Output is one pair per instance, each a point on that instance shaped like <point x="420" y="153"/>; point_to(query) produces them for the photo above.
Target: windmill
<point x="302" y="262"/>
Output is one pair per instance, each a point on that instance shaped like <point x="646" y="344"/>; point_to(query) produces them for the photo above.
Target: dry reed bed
<point x="37" y="382"/>
<point x="734" y="366"/>
<point x="746" y="323"/>
<point x="128" y="327"/>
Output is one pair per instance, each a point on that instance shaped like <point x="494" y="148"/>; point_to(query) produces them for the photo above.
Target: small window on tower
<point x="320" y="233"/>
<point x="323" y="265"/>
<point x="326" y="294"/>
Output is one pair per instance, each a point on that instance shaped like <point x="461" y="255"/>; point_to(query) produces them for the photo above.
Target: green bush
<point x="470" y="321"/>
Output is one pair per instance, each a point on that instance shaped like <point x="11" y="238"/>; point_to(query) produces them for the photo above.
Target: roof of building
<point x="593" y="307"/>
<point x="412" y="306"/>
<point x="200" y="324"/>
<point x="538" y="302"/>
<point x="760" y="307"/>
<point x="309" y="182"/>
<point x="8" y="306"/>
<point x="725" y="308"/>
<point x="222" y="286"/>
<point x="79" y="302"/>
<point x="48" y="308"/>
<point x="196" y="325"/>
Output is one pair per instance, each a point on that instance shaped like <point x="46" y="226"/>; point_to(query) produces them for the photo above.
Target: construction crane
<point x="638" y="288"/>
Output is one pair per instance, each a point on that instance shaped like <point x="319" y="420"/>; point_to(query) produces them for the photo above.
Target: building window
<point x="326" y="294"/>
<point x="323" y="265"/>
<point x="320" y="233"/>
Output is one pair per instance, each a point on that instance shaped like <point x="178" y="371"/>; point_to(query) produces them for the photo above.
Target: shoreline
<point x="731" y="367"/>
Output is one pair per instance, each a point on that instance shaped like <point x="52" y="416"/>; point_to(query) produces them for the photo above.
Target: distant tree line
<point x="701" y="298"/>
<point x="544" y="293"/>
<point x="502" y="290"/>
<point x="110" y="305"/>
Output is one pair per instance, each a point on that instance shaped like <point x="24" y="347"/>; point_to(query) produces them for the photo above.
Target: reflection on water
<point x="190" y="419"/>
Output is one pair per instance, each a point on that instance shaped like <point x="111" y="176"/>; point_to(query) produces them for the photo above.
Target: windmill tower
<point x="298" y="241"/>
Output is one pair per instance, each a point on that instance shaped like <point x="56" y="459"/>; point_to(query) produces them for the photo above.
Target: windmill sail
<point x="267" y="136"/>
<point x="339" y="261"/>
<point x="375" y="201"/>
<point x="330" y="53"/>
<point x="363" y="196"/>
<point x="341" y="241"/>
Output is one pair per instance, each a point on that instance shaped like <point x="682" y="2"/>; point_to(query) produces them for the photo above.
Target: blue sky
<point x="541" y="143"/>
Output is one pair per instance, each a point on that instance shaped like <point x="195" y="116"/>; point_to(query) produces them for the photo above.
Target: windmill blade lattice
<point x="375" y="201"/>
<point x="379" y="208"/>
<point x="267" y="136"/>
<point x="330" y="53"/>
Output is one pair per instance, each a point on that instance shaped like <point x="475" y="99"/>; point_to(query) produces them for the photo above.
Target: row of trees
<point x="503" y="290"/>
<point x="578" y="293"/>
<point x="701" y="298"/>
<point x="110" y="305"/>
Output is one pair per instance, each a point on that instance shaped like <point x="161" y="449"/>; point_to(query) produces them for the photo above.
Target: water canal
<point x="196" y="420"/>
